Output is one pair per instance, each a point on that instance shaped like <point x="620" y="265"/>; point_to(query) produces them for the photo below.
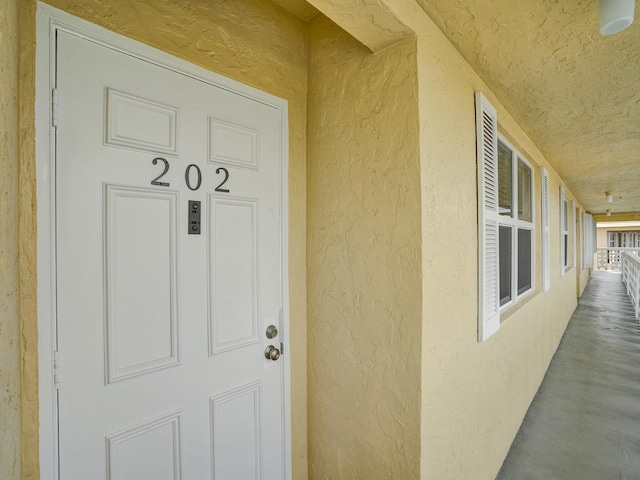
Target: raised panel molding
<point x="147" y="450"/>
<point x="232" y="145"/>
<point x="140" y="297"/>
<point x="235" y="433"/>
<point x="232" y="273"/>
<point x="140" y="124"/>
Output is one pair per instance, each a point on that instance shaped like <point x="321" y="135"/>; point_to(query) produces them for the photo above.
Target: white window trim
<point x="517" y="224"/>
<point x="564" y="232"/>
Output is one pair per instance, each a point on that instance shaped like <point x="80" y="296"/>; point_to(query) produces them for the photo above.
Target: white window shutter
<point x="589" y="240"/>
<point x="488" y="259"/>
<point x="580" y="240"/>
<point x="581" y="236"/>
<point x="562" y="252"/>
<point x="572" y="232"/>
<point x="546" y="236"/>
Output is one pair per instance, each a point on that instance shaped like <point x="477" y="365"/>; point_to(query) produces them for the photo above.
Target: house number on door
<point x="188" y="177"/>
<point x="164" y="172"/>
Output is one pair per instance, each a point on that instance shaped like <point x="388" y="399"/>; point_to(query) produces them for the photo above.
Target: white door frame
<point x="48" y="21"/>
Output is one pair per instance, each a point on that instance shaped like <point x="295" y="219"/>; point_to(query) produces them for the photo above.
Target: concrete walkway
<point x="584" y="422"/>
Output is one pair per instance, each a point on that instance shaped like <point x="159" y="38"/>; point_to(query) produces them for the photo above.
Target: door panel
<point x="237" y="414"/>
<point x="129" y="451"/>
<point x="233" y="290"/>
<point x="161" y="330"/>
<point x="139" y="123"/>
<point x="140" y="264"/>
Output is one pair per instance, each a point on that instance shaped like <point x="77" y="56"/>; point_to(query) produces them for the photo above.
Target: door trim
<point x="49" y="21"/>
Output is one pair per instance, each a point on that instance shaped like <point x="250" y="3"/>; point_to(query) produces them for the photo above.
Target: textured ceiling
<point x="575" y="92"/>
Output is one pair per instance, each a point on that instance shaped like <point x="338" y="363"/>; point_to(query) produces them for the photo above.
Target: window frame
<point x="490" y="312"/>
<point x="516" y="224"/>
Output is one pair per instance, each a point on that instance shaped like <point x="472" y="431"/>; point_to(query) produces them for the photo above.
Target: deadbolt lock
<point x="272" y="331"/>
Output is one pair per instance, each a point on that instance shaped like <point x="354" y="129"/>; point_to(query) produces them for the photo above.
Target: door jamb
<point x="49" y="20"/>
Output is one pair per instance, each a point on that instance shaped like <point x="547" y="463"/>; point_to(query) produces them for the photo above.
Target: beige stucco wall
<point x="583" y="279"/>
<point x="363" y="258"/>
<point x="27" y="251"/>
<point x="9" y="276"/>
<point x="601" y="236"/>
<point x="398" y="386"/>
<point x="474" y="394"/>
<point x="251" y="41"/>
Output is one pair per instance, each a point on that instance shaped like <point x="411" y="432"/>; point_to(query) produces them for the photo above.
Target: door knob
<point x="272" y="353"/>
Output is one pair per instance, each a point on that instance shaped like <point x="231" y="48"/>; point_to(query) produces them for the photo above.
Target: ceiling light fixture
<point x="609" y="197"/>
<point x="608" y="213"/>
<point x="615" y="15"/>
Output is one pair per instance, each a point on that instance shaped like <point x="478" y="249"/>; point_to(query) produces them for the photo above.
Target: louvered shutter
<point x="546" y="236"/>
<point x="589" y="240"/>
<point x="572" y="232"/>
<point x="581" y="240"/>
<point x="488" y="266"/>
<point x="563" y="258"/>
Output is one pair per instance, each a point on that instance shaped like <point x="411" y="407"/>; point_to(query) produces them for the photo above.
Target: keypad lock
<point x="194" y="217"/>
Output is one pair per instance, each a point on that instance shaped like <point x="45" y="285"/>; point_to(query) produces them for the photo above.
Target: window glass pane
<point x="524" y="192"/>
<point x="505" y="264"/>
<point x="566" y="215"/>
<point x="566" y="249"/>
<point x="505" y="177"/>
<point x="524" y="260"/>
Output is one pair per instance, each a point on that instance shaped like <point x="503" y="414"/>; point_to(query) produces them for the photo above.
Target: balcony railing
<point x="611" y="258"/>
<point x="631" y="278"/>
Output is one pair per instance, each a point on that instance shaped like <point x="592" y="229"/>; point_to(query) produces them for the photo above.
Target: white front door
<point x="169" y="261"/>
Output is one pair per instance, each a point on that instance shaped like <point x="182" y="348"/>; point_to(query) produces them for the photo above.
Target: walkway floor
<point x="584" y="422"/>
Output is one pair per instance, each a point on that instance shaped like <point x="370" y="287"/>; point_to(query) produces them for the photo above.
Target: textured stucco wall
<point x="601" y="236"/>
<point x="583" y="279"/>
<point x="571" y="88"/>
<point x="398" y="387"/>
<point x="363" y="258"/>
<point x="371" y="23"/>
<point x="27" y="249"/>
<point x="474" y="394"/>
<point x="9" y="276"/>
<point x="252" y="41"/>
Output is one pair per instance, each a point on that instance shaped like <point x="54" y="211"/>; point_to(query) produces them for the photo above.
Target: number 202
<point x="187" y="176"/>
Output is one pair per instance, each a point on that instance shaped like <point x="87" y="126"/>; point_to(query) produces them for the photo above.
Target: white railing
<point x="631" y="278"/>
<point x="611" y="258"/>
